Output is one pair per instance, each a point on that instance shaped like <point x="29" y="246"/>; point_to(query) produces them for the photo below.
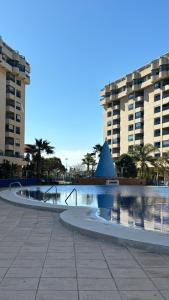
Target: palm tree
<point x="40" y="147"/>
<point x="162" y="167"/>
<point x="97" y="149"/>
<point x="88" y="160"/>
<point x="143" y="156"/>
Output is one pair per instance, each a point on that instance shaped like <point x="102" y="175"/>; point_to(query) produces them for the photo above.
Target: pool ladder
<point x="74" y="190"/>
<point x="45" y="200"/>
<point x="15" y="182"/>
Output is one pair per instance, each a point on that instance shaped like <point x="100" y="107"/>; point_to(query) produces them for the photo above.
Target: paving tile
<point x="60" y="255"/>
<point x="91" y="263"/>
<point x="96" y="284"/>
<point x="3" y="272"/>
<point x="60" y="295"/>
<point x="30" y="263"/>
<point x="165" y="294"/>
<point x="58" y="284"/>
<point x="161" y="283"/>
<point x="128" y="273"/>
<point x="158" y="272"/>
<point x="59" y="272"/>
<point x="99" y="295"/>
<point x="154" y="262"/>
<point x="135" y="284"/>
<point x="24" y="272"/>
<point x="17" y="295"/>
<point x="49" y="262"/>
<point x="122" y="263"/>
<point x="93" y="273"/>
<point x="89" y="256"/>
<point x="19" y="284"/>
<point x="141" y="295"/>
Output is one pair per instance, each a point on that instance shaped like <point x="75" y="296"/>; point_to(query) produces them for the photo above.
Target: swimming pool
<point x="133" y="206"/>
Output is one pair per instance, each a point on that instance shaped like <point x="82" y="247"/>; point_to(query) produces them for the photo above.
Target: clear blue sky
<point x="74" y="48"/>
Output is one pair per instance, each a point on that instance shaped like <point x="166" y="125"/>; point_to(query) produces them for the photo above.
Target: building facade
<point x="14" y="75"/>
<point x="136" y="109"/>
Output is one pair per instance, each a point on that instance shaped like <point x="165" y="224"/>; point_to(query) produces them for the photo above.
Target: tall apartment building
<point x="136" y="108"/>
<point x="14" y="75"/>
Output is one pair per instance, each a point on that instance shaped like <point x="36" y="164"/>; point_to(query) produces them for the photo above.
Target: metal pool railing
<point x="74" y="190"/>
<point x="53" y="186"/>
<point x="15" y="182"/>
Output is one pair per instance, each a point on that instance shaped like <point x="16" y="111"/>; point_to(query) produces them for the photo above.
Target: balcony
<point x="10" y="95"/>
<point x="10" y="108"/>
<point x="15" y="70"/>
<point x="116" y="117"/>
<point x="9" y="147"/>
<point x="139" y="142"/>
<point x="116" y="126"/>
<point x="113" y="97"/>
<point x="116" y="135"/>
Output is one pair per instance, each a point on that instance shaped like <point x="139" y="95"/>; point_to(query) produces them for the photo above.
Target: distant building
<point x="14" y="75"/>
<point x="136" y="109"/>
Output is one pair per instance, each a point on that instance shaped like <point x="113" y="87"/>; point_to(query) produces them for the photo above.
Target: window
<point x="139" y="136"/>
<point x="10" y="76"/>
<point x="10" y="102"/>
<point x="109" y="114"/>
<point x="18" y="94"/>
<point x="17" y="143"/>
<point x="155" y="72"/>
<point x="9" y="153"/>
<point x="109" y="105"/>
<point x="165" y="143"/>
<point x="157" y="97"/>
<point x="157" y="144"/>
<point x="130" y="117"/>
<point x="109" y="132"/>
<point x="17" y="130"/>
<point x="116" y="121"/>
<point x="156" y="121"/>
<point x="130" y="137"/>
<point x="18" y="118"/>
<point x="116" y="112"/>
<point x="116" y="131"/>
<point x="116" y="141"/>
<point x="139" y="125"/>
<point x="109" y="142"/>
<point x="10" y="115"/>
<point x="165" y="130"/>
<point x="166" y="81"/>
<point x="17" y="154"/>
<point x="157" y="109"/>
<point x="9" y="141"/>
<point x="139" y="114"/>
<point x="115" y="150"/>
<point x="130" y="106"/>
<point x="166" y="94"/>
<point x="139" y="104"/>
<point x="109" y="123"/>
<point x="131" y="96"/>
<point x="157" y="85"/>
<point x="157" y="155"/>
<point x="18" y="82"/>
<point x="130" y="127"/>
<point x="9" y="128"/>
<point x="166" y="106"/>
<point x="165" y="119"/>
<point x="157" y="132"/>
<point x="10" y="89"/>
<point x="18" y="105"/>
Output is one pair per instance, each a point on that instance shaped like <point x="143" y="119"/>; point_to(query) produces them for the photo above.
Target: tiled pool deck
<point x="40" y="259"/>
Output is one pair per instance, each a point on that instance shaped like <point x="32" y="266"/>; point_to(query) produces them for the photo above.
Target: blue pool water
<point x="135" y="206"/>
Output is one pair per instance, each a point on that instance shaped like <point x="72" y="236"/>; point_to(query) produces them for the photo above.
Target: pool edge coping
<point x="84" y="220"/>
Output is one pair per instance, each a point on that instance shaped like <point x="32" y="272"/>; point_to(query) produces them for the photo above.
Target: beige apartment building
<point x="14" y="75"/>
<point x="136" y="108"/>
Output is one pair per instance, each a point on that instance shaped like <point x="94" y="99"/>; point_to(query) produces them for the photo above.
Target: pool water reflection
<point x="134" y="206"/>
